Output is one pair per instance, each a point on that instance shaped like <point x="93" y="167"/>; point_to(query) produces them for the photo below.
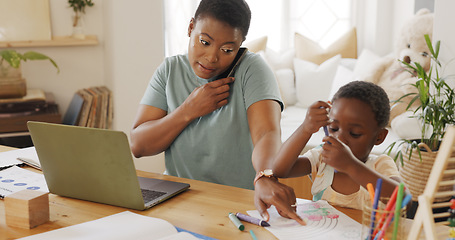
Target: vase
<point x="12" y="85"/>
<point x="78" y="25"/>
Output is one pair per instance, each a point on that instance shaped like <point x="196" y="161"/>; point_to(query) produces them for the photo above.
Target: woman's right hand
<point x="207" y="98"/>
<point x="270" y="192"/>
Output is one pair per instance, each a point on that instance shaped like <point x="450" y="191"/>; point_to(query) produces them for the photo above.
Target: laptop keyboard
<point x="150" y="195"/>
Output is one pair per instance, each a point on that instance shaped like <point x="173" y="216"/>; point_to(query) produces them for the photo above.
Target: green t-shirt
<point x="216" y="147"/>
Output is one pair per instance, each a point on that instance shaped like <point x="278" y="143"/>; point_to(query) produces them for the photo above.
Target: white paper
<point x="120" y="226"/>
<point x="15" y="179"/>
<point x="9" y="158"/>
<point x="29" y="156"/>
<point x="323" y="222"/>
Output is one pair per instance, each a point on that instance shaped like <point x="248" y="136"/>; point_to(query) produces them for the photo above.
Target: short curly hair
<point x="233" y="12"/>
<point x="371" y="94"/>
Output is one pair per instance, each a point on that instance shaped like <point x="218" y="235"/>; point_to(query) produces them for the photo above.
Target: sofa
<point x="307" y="73"/>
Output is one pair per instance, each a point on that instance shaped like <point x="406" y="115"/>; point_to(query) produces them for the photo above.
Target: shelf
<point x="57" y="41"/>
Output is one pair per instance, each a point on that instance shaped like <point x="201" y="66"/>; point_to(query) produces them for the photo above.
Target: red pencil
<point x="388" y="208"/>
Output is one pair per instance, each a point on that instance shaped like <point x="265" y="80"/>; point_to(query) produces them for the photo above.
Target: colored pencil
<point x="397" y="210"/>
<point x="371" y="191"/>
<point x="377" y="194"/>
<point x="388" y="208"/>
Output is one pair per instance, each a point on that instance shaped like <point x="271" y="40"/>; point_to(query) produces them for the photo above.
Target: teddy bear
<point x="410" y="47"/>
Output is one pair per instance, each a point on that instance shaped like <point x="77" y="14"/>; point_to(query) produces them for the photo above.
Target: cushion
<point x="348" y="63"/>
<point x="309" y="50"/>
<point x="257" y="44"/>
<point x="313" y="82"/>
<point x="365" y="63"/>
<point x="281" y="60"/>
<point x="342" y="77"/>
<point x="286" y="83"/>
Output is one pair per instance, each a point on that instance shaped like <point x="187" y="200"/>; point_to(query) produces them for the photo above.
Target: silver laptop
<point x="95" y="165"/>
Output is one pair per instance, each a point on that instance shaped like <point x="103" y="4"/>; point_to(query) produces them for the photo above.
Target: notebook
<point x="95" y="165"/>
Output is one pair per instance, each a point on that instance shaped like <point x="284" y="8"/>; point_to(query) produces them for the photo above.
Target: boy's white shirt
<point x="325" y="173"/>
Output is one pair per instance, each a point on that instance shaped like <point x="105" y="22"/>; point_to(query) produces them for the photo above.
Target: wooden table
<point x="202" y="209"/>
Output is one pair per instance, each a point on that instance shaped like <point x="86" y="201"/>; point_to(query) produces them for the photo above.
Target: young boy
<point x="211" y="128"/>
<point x="343" y="166"/>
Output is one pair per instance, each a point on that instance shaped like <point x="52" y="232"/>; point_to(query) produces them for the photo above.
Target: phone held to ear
<point x="238" y="58"/>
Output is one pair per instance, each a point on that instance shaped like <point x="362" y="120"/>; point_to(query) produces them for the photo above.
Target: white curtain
<point x="321" y="20"/>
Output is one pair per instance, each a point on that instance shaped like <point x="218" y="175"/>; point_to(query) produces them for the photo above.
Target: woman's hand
<point x="270" y="192"/>
<point x="207" y="98"/>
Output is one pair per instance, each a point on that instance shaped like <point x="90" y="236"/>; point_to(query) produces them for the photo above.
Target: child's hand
<point x="316" y="116"/>
<point x="337" y="154"/>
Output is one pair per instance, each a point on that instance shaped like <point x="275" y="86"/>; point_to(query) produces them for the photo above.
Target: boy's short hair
<point x="233" y="12"/>
<point x="371" y="94"/>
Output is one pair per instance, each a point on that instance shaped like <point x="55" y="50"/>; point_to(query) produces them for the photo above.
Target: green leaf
<point x="14" y="58"/>
<point x="31" y="55"/>
<point x="428" y="41"/>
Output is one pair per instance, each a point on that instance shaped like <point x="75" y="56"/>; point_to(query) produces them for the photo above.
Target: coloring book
<point x="323" y="222"/>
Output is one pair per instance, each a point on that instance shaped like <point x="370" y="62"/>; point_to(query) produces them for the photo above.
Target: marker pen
<point x="236" y="222"/>
<point x="252" y="220"/>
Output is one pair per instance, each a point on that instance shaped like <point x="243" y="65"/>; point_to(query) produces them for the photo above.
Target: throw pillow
<point x="365" y="64"/>
<point x="309" y="50"/>
<point x="313" y="82"/>
<point x="257" y="44"/>
<point x="342" y="77"/>
<point x="279" y="60"/>
<point x="286" y="83"/>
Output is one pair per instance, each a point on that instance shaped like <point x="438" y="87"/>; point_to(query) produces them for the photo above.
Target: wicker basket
<point x="415" y="172"/>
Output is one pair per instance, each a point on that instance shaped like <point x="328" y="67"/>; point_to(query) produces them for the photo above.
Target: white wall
<point x="379" y="23"/>
<point x="134" y="48"/>
<point x="443" y="31"/>
<point x="79" y="66"/>
<point x="130" y="48"/>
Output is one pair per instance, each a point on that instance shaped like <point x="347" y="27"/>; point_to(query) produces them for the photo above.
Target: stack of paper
<point x="18" y="157"/>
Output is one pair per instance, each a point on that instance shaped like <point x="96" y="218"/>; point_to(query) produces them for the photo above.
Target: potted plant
<point x="11" y="82"/>
<point x="436" y="111"/>
<point x="78" y="7"/>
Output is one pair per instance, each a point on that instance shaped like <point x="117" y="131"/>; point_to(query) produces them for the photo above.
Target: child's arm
<point x="340" y="157"/>
<point x="287" y="163"/>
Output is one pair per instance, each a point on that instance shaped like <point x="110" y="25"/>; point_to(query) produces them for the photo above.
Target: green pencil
<point x="397" y="210"/>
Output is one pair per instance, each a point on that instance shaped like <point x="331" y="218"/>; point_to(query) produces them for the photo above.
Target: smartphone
<point x="238" y="58"/>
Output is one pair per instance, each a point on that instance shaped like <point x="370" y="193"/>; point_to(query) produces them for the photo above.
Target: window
<point x="320" y="20"/>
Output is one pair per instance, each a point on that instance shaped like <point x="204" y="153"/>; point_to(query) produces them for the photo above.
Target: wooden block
<point x="27" y="208"/>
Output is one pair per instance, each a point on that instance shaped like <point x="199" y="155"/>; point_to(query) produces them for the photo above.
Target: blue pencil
<point x="377" y="194"/>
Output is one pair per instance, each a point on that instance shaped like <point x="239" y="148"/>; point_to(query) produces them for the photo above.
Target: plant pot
<point x="12" y="85"/>
<point x="415" y="172"/>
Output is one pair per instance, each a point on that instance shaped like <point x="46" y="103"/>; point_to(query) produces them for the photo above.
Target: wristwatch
<point x="264" y="173"/>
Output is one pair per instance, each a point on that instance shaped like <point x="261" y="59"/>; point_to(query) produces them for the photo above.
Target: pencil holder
<point x="382" y="217"/>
